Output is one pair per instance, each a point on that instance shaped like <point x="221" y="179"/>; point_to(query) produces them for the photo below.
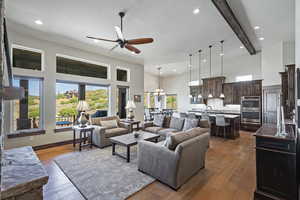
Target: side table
<point x="131" y="123"/>
<point x="83" y="136"/>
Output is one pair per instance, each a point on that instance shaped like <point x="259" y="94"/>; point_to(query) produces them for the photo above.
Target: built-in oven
<point x="250" y="110"/>
<point x="250" y="103"/>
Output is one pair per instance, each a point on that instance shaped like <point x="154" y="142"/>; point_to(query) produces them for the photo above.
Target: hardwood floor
<point x="229" y="174"/>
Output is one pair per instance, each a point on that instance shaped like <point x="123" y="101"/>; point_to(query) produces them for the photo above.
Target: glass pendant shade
<point x="199" y="96"/>
<point x="222" y="95"/>
<point x="210" y="96"/>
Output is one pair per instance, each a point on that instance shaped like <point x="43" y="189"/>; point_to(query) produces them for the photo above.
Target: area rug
<point x="99" y="175"/>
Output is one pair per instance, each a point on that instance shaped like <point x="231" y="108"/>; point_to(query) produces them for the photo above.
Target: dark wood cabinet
<point x="275" y="165"/>
<point x="288" y="90"/>
<point x="234" y="91"/>
<point x="228" y="92"/>
<point x="213" y="86"/>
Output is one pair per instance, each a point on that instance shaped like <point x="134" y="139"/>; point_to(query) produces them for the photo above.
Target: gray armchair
<point x="173" y="168"/>
<point x="102" y="134"/>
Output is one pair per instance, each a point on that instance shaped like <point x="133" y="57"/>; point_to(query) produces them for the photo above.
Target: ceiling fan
<point x="122" y="42"/>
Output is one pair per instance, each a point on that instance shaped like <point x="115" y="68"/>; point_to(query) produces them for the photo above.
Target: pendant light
<point x="199" y="96"/>
<point x="159" y="92"/>
<point x="222" y="55"/>
<point x="210" y="46"/>
<point x="190" y="70"/>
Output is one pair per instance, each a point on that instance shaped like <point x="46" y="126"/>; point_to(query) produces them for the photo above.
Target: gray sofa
<point x="103" y="131"/>
<point x="176" y="164"/>
<point x="164" y="126"/>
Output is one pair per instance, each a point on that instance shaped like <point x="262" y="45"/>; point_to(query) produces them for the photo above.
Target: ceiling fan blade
<point x="140" y="41"/>
<point x="132" y="48"/>
<point x="107" y="40"/>
<point x="114" y="47"/>
<point x="119" y="33"/>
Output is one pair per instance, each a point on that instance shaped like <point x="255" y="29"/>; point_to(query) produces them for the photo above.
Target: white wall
<point x="272" y="64"/>
<point x="50" y="49"/>
<point x="297" y="35"/>
<point x="150" y="82"/>
<point x="274" y="59"/>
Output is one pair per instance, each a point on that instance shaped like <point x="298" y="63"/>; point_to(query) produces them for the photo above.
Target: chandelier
<point x="159" y="92"/>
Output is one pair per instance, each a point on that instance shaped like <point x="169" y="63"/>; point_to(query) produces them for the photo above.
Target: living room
<point x="103" y="101"/>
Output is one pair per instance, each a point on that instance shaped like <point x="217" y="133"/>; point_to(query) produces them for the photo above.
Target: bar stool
<point x="220" y="122"/>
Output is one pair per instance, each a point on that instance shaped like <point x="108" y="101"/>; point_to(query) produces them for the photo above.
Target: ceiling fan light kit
<point x="122" y="42"/>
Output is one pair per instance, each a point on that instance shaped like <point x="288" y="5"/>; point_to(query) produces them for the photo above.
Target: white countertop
<point x="214" y="115"/>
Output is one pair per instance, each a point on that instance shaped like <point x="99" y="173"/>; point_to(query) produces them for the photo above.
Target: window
<point x="97" y="98"/>
<point x="171" y="101"/>
<point x="75" y="67"/>
<point x="146" y="100"/>
<point x="243" y="78"/>
<point x="66" y="103"/>
<point x="67" y="97"/>
<point x="152" y="100"/>
<point x="122" y="75"/>
<point x="27" y="112"/>
<point x="26" y="59"/>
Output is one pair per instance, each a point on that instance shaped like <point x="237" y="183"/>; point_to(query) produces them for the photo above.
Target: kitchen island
<point x="232" y="132"/>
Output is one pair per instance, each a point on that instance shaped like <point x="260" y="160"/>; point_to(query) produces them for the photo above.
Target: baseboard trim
<point x="46" y="146"/>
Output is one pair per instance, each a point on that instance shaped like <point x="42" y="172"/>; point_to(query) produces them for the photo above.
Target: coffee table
<point x="129" y="140"/>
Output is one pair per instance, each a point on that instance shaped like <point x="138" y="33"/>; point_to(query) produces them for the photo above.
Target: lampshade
<point x="82" y="106"/>
<point x="130" y="105"/>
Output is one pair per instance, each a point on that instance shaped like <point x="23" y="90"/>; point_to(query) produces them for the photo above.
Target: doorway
<point x="123" y="93"/>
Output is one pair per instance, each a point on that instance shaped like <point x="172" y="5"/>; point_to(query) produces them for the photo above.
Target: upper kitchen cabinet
<point x="213" y="86"/>
<point x="234" y="91"/>
<point x="288" y="90"/>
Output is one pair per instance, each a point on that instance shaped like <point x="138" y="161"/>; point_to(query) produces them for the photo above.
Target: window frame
<point x="32" y="131"/>
<point x="21" y="47"/>
<point x="128" y="74"/>
<point x="86" y="61"/>
<point x="108" y="86"/>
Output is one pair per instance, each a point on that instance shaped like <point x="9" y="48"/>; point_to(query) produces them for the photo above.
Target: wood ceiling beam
<point x="233" y="22"/>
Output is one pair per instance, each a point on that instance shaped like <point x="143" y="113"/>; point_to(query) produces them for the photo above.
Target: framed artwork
<point x="137" y="98"/>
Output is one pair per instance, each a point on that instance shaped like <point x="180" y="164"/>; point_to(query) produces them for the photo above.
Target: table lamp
<point x="130" y="107"/>
<point x="82" y="107"/>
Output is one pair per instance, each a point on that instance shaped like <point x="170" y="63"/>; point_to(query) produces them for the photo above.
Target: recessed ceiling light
<point x="96" y="41"/>
<point x="38" y="22"/>
<point x="261" y="38"/>
<point x="241" y="47"/>
<point x="204" y="60"/>
<point x="133" y="53"/>
<point x="196" y="11"/>
<point x="256" y="27"/>
<point x="221" y="54"/>
<point x="174" y="70"/>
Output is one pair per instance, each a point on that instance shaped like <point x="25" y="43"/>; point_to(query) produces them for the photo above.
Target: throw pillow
<point x="108" y="124"/>
<point x="176" y="123"/>
<point x="96" y="121"/>
<point x="180" y="137"/>
<point x="158" y="120"/>
<point x="190" y="123"/>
